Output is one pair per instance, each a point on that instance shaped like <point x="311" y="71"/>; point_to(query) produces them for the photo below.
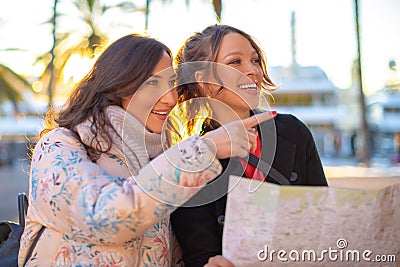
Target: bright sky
<point x="325" y="31"/>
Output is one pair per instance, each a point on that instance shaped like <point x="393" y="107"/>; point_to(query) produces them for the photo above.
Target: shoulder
<point x="290" y="124"/>
<point x="59" y="139"/>
<point x="55" y="133"/>
<point x="287" y="126"/>
<point x="285" y="121"/>
<point x="289" y="120"/>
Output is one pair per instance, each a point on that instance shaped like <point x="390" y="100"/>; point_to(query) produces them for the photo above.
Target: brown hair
<point x="204" y="46"/>
<point x="118" y="72"/>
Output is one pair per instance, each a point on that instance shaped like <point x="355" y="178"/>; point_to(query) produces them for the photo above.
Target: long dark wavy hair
<point x="118" y="72"/>
<point x="204" y="46"/>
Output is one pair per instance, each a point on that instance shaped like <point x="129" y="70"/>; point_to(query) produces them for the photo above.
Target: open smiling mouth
<point x="250" y="88"/>
<point x="161" y="115"/>
<point x="160" y="112"/>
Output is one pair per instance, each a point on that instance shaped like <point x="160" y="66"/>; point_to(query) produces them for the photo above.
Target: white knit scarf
<point x="132" y="142"/>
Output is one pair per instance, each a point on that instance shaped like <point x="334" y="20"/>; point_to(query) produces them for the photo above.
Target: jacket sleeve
<point x="73" y="195"/>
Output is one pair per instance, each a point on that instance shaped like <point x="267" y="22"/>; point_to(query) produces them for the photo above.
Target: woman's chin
<point x="253" y="104"/>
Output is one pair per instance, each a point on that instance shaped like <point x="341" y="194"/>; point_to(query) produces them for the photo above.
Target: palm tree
<point x="57" y="58"/>
<point x="217" y="4"/>
<point x="11" y="85"/>
<point x="365" y="131"/>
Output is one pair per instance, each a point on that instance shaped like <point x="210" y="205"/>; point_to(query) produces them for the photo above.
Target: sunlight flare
<point x="76" y="68"/>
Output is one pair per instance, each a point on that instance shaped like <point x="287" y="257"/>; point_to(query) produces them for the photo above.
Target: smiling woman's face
<point x="154" y="100"/>
<point x="242" y="81"/>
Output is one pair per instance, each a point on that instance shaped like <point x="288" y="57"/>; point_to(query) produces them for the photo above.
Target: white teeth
<point x="160" y="112"/>
<point x="248" y="86"/>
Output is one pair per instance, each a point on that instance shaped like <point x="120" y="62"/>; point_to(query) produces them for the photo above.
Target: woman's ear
<point x="125" y="100"/>
<point x="205" y="88"/>
<point x="199" y="77"/>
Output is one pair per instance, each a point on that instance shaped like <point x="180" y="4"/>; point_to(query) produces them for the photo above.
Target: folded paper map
<point x="353" y="224"/>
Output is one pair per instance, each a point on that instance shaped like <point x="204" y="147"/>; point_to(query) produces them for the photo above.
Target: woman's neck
<point x="243" y="114"/>
<point x="225" y="114"/>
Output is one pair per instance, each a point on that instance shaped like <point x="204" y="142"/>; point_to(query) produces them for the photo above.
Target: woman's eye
<point x="235" y="61"/>
<point x="256" y="60"/>
<point x="171" y="83"/>
<point x="153" y="82"/>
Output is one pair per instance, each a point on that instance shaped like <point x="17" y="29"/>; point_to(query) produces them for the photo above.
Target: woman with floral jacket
<point x="101" y="186"/>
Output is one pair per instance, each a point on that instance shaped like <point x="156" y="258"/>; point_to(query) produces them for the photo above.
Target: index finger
<point x="258" y="118"/>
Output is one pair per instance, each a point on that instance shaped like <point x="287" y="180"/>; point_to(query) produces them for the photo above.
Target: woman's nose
<point x="251" y="69"/>
<point x="170" y="98"/>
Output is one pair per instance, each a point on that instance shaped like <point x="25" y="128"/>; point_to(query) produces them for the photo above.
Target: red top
<point x="250" y="171"/>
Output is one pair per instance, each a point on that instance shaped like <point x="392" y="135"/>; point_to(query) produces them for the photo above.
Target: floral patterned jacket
<point x="97" y="214"/>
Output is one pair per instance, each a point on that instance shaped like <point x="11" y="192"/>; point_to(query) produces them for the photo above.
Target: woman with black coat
<point x="285" y="145"/>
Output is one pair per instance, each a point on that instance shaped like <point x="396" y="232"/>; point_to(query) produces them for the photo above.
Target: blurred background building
<point x="333" y="114"/>
<point x="384" y="117"/>
<point x="307" y="93"/>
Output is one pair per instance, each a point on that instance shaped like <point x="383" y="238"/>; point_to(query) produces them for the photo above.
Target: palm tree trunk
<point x="217" y="4"/>
<point x="51" y="65"/>
<point x="146" y="22"/>
<point x="365" y="135"/>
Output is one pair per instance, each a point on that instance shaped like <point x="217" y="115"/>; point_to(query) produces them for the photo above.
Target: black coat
<point x="288" y="144"/>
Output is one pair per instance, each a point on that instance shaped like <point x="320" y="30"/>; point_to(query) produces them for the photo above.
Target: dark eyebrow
<point x="239" y="53"/>
<point x="232" y="53"/>
<point x="156" y="76"/>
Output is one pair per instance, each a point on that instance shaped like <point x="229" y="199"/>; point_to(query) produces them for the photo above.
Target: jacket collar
<point x="275" y="148"/>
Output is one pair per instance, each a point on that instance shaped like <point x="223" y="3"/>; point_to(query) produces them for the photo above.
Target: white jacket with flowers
<point x="98" y="214"/>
